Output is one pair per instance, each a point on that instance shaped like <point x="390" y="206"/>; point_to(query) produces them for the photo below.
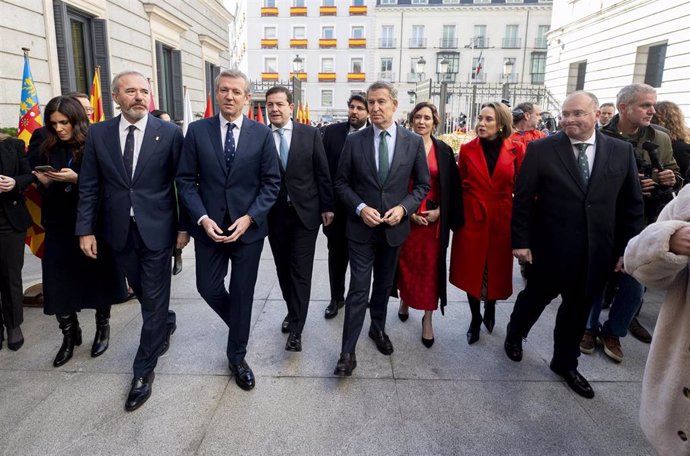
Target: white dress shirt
<point x="590" y="152"/>
<point x="123" y="129"/>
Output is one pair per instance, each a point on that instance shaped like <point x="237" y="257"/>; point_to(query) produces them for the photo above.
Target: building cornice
<point x="602" y="15"/>
<point x="211" y="42"/>
<point x="219" y="9"/>
<point x="158" y="14"/>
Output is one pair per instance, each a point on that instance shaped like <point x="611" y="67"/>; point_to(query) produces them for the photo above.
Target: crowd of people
<point x="121" y="196"/>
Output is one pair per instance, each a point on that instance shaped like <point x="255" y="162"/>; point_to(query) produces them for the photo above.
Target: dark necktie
<point x="384" y="166"/>
<point x="128" y="155"/>
<point x="229" y="149"/>
<point x="582" y="161"/>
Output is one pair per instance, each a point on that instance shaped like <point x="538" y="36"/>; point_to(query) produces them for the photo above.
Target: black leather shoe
<point x="244" y="377"/>
<point x="332" y="309"/>
<point x="166" y="342"/>
<point x="489" y="315"/>
<point x="71" y="336"/>
<point x="513" y="345"/>
<point x="575" y="381"/>
<point x="403" y="316"/>
<point x="15" y="338"/>
<point x="426" y="342"/>
<point x="285" y="326"/>
<point x="639" y="332"/>
<point x="294" y="343"/>
<point x="473" y="331"/>
<point x="139" y="392"/>
<point x="346" y="364"/>
<point x="383" y="343"/>
<point x="102" y="338"/>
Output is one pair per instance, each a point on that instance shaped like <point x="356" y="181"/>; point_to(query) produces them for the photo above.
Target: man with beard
<point x="333" y="142"/>
<point x="526" y="118"/>
<point x="127" y="176"/>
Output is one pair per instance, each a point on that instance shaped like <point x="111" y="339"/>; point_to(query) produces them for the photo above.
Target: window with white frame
<point x="270" y="33"/>
<point x="357" y="31"/>
<point x="270" y="65"/>
<point x="327" y="65"/>
<point x="389" y="2"/>
<point x="328" y="3"/>
<point x="328" y="32"/>
<point x="327" y="98"/>
<point x="298" y="2"/>
<point x="270" y="3"/>
<point x="356" y="65"/>
<point x="387" y="36"/>
<point x="299" y="32"/>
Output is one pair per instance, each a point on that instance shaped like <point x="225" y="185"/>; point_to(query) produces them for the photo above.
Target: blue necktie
<point x="229" y="149"/>
<point x="128" y="155"/>
<point x="283" y="148"/>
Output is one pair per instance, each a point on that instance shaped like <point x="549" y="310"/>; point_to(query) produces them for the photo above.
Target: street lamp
<point x="507" y="73"/>
<point x="297" y="67"/>
<point x="297" y="64"/>
<point x="420" y="67"/>
<point x="443" y="67"/>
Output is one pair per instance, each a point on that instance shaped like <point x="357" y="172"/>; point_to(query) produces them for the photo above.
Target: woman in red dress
<point x="421" y="277"/>
<point x="481" y="261"/>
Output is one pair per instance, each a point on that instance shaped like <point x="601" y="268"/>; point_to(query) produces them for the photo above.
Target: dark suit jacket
<point x="576" y="232"/>
<point x="306" y="179"/>
<point x="251" y="186"/>
<point x="151" y="191"/>
<point x="14" y="164"/>
<point x="357" y="182"/>
<point x="334" y="137"/>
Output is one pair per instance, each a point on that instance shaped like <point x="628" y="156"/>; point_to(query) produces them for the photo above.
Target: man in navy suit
<point x="382" y="178"/>
<point x="127" y="177"/>
<point x="304" y="202"/>
<point x="577" y="203"/>
<point x="333" y="141"/>
<point x="228" y="179"/>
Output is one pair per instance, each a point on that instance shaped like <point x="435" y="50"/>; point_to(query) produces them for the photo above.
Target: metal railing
<point x="417" y="43"/>
<point x="387" y="43"/>
<point x="387" y="76"/>
<point x="448" y="43"/>
<point x="511" y="43"/>
<point x="540" y="43"/>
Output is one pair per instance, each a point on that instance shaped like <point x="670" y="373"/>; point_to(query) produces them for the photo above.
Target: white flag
<point x="188" y="117"/>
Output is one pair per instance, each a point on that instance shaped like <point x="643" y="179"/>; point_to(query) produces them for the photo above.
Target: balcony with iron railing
<point x="477" y="78"/>
<point x="269" y="43"/>
<point x="540" y="43"/>
<point x="356" y="77"/>
<point x="328" y="42"/>
<point x="511" y="43"/>
<point x="415" y="77"/>
<point x="298" y="11"/>
<point x="299" y="43"/>
<point x="417" y="43"/>
<point x="481" y="42"/>
<point x="269" y="11"/>
<point x="537" y="78"/>
<point x="446" y="77"/>
<point x="387" y="76"/>
<point x="328" y="10"/>
<point x="448" y="43"/>
<point x="387" y="43"/>
<point x="358" y="10"/>
<point x="357" y="42"/>
<point x="512" y="77"/>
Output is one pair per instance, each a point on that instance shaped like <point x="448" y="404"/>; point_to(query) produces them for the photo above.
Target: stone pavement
<point x="452" y="399"/>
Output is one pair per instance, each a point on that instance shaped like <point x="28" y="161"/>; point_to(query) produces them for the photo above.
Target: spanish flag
<point x="306" y="114"/>
<point x="96" y="98"/>
<point x="29" y="120"/>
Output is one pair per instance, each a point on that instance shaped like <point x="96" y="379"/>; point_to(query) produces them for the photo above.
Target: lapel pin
<point x="157" y="138"/>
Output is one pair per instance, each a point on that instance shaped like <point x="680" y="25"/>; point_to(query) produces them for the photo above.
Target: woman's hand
<point x="43" y="178"/>
<point x="7" y="183"/>
<point x="64" y="175"/>
<point x="419" y="220"/>
<point x="432" y="215"/>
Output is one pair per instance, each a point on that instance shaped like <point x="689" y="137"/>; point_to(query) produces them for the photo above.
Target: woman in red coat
<point x="481" y="261"/>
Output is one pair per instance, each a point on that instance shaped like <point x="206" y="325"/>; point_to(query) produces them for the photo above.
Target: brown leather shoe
<point x="588" y="342"/>
<point x="612" y="347"/>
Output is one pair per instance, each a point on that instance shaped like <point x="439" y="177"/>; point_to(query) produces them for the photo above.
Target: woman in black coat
<point x="71" y="281"/>
<point x="422" y="272"/>
<point x="669" y="115"/>
<point x="15" y="176"/>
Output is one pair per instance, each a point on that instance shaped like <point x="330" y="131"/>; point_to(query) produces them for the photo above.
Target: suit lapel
<point x="294" y="144"/>
<point x="475" y="157"/>
<point x="564" y="150"/>
<point x="401" y="146"/>
<point x="114" y="146"/>
<point x="216" y="139"/>
<point x="370" y="155"/>
<point x="600" y="159"/>
<point x="149" y="144"/>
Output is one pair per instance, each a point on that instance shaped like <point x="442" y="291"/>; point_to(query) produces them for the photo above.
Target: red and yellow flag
<point x="260" y="115"/>
<point x="306" y="114"/>
<point x="29" y="120"/>
<point x="209" y="107"/>
<point x="98" y="115"/>
<point x="250" y="113"/>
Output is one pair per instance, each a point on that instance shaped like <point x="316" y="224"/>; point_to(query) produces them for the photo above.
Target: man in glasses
<point x="577" y="203"/>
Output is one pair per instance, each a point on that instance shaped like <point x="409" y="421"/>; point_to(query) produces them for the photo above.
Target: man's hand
<point x="213" y="231"/>
<point x="432" y="215"/>
<point x="370" y="216"/>
<point x="238" y="228"/>
<point x="647" y="185"/>
<point x="327" y="218"/>
<point x="394" y="215"/>
<point x="7" y="183"/>
<point x="680" y="242"/>
<point x="667" y="178"/>
<point x="88" y="245"/>
<point x="524" y="255"/>
<point x="182" y="240"/>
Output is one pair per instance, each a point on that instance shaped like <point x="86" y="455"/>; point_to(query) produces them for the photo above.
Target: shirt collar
<point x="237" y="122"/>
<point x="391" y="130"/>
<point x="591" y="140"/>
<point x="287" y="126"/>
<point x="140" y="124"/>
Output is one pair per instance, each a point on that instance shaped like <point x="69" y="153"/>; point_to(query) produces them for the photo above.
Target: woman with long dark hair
<point x="481" y="260"/>
<point x="71" y="281"/>
<point x="669" y="115"/>
<point x="422" y="270"/>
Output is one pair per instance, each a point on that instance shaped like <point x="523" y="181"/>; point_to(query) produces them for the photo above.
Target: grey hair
<point x="384" y="85"/>
<point x="115" y="84"/>
<point x="593" y="98"/>
<point x="629" y="93"/>
<point x="236" y="74"/>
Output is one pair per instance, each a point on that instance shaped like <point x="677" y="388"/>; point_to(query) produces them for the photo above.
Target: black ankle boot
<point x="476" y="323"/>
<point x="71" y="333"/>
<point x="102" y="337"/>
<point x="489" y="315"/>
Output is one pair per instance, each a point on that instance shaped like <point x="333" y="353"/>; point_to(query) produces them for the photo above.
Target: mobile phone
<point x="431" y="205"/>
<point x="44" y="168"/>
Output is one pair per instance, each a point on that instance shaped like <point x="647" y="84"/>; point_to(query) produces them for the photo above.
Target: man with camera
<point x="526" y="119"/>
<point x="659" y="177"/>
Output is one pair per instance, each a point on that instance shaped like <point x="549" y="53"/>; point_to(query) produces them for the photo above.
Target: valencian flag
<point x="98" y="115"/>
<point x="29" y="120"/>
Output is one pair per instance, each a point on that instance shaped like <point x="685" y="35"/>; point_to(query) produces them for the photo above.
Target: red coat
<point x="484" y="239"/>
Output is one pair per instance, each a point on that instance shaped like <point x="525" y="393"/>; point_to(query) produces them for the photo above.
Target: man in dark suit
<point x="376" y="168"/>
<point x="228" y="179"/>
<point x="333" y="141"/>
<point x="577" y="203"/>
<point x="127" y="177"/>
<point x="304" y="202"/>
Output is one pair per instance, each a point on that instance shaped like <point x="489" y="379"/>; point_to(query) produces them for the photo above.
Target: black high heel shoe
<point x="403" y="316"/>
<point x="473" y="331"/>
<point x="489" y="315"/>
<point x="427" y="342"/>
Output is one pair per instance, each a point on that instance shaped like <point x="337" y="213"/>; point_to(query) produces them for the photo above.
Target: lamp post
<point x="420" y="67"/>
<point x="442" y="72"/>
<point x="507" y="73"/>
<point x="297" y="67"/>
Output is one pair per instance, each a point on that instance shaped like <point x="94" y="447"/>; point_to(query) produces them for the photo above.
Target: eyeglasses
<point x="576" y="114"/>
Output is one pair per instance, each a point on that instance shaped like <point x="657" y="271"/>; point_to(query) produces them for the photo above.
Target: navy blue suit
<point x="142" y="245"/>
<point x="250" y="187"/>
